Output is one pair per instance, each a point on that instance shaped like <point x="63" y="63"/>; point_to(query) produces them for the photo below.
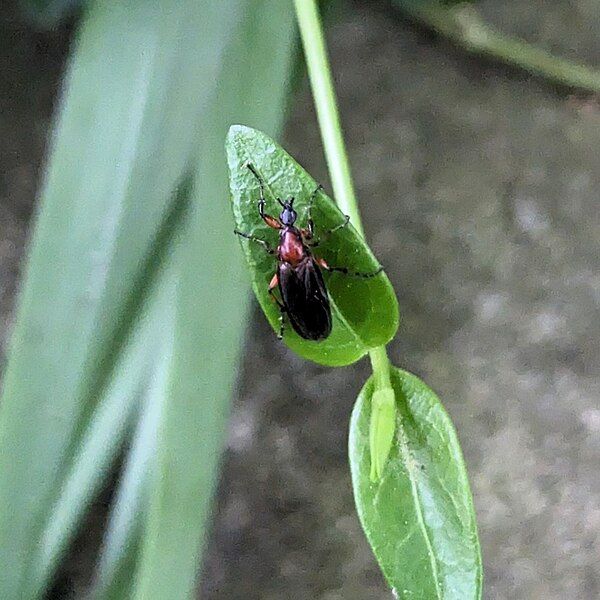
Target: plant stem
<point x="463" y="25"/>
<point x="380" y="364"/>
<point x="335" y="149"/>
<point x="383" y="406"/>
<point x="327" y="112"/>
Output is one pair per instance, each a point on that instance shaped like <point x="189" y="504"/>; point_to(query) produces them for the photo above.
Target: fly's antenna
<point x="281" y="202"/>
<point x="254" y="171"/>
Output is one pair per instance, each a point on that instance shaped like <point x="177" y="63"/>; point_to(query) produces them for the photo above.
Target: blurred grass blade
<point x="419" y="518"/>
<point x="365" y="311"/>
<point x="49" y="12"/>
<point x="106" y="431"/>
<point x="127" y="132"/>
<point x="119" y="552"/>
<point x="211" y="307"/>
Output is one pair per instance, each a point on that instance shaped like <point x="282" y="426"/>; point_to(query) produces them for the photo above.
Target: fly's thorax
<point x="291" y="247"/>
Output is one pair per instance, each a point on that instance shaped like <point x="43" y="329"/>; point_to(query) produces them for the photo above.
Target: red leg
<point x="273" y="283"/>
<point x="271" y="221"/>
<point x="272" y="286"/>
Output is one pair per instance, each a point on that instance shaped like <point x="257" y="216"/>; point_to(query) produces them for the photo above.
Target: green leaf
<point x="127" y="135"/>
<point x="102" y="440"/>
<point x="49" y="12"/>
<point x="419" y="518"/>
<point x="365" y="311"/>
<point x="211" y="307"/>
<point x="121" y="541"/>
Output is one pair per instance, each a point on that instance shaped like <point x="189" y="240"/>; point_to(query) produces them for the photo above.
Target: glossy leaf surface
<point x="419" y="518"/>
<point x="365" y="311"/>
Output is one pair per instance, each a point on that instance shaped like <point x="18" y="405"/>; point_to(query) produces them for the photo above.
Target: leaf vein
<point x="419" y="513"/>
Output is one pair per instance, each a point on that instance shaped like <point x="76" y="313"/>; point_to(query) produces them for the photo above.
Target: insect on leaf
<point x="365" y="311"/>
<point x="419" y="516"/>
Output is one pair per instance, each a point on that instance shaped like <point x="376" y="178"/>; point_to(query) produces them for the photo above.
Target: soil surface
<point x="479" y="190"/>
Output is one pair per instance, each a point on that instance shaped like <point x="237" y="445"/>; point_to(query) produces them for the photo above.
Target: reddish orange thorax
<point x="291" y="249"/>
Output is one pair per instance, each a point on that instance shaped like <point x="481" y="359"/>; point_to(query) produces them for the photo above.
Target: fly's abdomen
<point x="305" y="299"/>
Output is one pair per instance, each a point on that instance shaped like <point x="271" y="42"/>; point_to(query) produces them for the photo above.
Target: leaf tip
<point x="237" y="131"/>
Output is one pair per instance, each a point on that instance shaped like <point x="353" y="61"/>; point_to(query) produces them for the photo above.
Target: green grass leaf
<point x="128" y="132"/>
<point x="113" y="417"/>
<point x="365" y="311"/>
<point x="49" y="12"/>
<point x="211" y="307"/>
<point x="119" y="555"/>
<point x="419" y="518"/>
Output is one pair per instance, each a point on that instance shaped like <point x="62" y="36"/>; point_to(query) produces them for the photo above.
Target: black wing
<point x="305" y="299"/>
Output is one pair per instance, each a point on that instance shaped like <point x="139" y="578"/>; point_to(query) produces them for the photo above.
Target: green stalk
<point x="321" y="82"/>
<point x="463" y="25"/>
<point x="383" y="409"/>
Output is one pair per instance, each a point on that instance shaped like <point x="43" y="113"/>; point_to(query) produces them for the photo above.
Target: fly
<point x="298" y="277"/>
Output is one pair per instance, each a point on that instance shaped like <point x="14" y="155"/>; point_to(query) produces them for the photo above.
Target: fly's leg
<point x="272" y="286"/>
<point x="327" y="233"/>
<point x="281" y="323"/>
<point x="261" y="187"/>
<point x="268" y="219"/>
<point x="346" y="271"/>
<point x="310" y="228"/>
<point x="311" y="223"/>
<point x="252" y="238"/>
<point x="309" y="232"/>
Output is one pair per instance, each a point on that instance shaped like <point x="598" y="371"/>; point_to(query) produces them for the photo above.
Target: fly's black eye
<point x="288" y="216"/>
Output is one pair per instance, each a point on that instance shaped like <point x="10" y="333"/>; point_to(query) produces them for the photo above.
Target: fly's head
<point x="288" y="215"/>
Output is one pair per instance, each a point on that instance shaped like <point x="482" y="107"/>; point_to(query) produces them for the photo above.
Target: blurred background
<point x="479" y="189"/>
